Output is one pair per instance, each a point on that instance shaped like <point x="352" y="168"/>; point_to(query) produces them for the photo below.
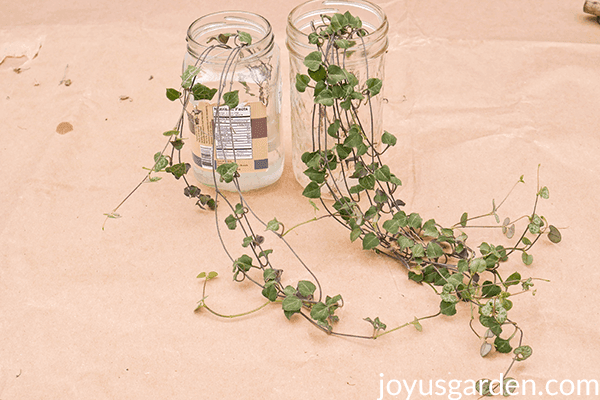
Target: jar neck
<point x="302" y="19"/>
<point x="201" y="31"/>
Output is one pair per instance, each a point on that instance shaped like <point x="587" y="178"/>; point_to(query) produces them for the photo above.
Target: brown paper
<point x="479" y="93"/>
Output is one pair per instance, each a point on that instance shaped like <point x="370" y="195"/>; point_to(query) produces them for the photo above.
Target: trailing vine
<point x="356" y="188"/>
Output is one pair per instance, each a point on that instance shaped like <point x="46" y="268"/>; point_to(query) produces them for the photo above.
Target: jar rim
<point x="255" y="19"/>
<point x="364" y="4"/>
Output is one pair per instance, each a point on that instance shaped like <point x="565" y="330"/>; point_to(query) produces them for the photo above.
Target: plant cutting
<point x="351" y="182"/>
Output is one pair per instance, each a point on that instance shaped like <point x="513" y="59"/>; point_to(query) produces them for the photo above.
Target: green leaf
<point x="414" y="221"/>
<point x="160" y="162"/>
<point x="265" y="253"/>
<point x="371" y="213"/>
<point x="554" y="234"/>
<point x="388" y="138"/>
<point x="514" y="279"/>
<point x="315" y="175"/>
<point x="346" y="104"/>
<point x="355" y="234"/>
<point x="463" y="219"/>
<point x="312" y="191"/>
<point x="291" y="304"/>
<point x="188" y="76"/>
<point x="319" y="312"/>
<point x="367" y="181"/>
<point x="335" y="74"/>
<point x="527" y="258"/>
<point x="413" y="276"/>
<point x="319" y="75"/>
<point x="502" y="345"/>
<point x="490" y="322"/>
<point x="243" y="263"/>
<point x="171" y="133"/>
<point x="231" y="222"/>
<point x="177" y="143"/>
<point x="306" y="288"/>
<point x="178" y="170"/>
<point x="401" y="217"/>
<point x="344" y="43"/>
<point x="418" y="251"/>
<point x="313" y="60"/>
<point x="202" y="92"/>
<point x="434" y="250"/>
<point x="231" y="99"/>
<point x="374" y="86"/>
<point x="429" y="229"/>
<point x="247" y="240"/>
<point x="463" y="266"/>
<point x="523" y="352"/>
<point x="449" y="298"/>
<point x="338" y="21"/>
<point x="289" y="290"/>
<point x="244" y="37"/>
<point x="239" y="209"/>
<point x="456" y="280"/>
<point x="227" y="171"/>
<point x="489" y="290"/>
<point x="392" y="226"/>
<point x="405" y="243"/>
<point x="534" y="228"/>
<point x="302" y="82"/>
<point x="544" y="193"/>
<point x="482" y="387"/>
<point x="383" y="174"/>
<point x="354" y="138"/>
<point x="270" y="292"/>
<point x="354" y="22"/>
<point x="270" y="274"/>
<point x="319" y="87"/>
<point x="330" y="301"/>
<point x="478" y="265"/>
<point x="273" y="225"/>
<point x="370" y="241"/>
<point x="333" y="129"/>
<point x="325" y="97"/>
<point x="313" y="38"/>
<point x="377" y="323"/>
<point x="173" y="94"/>
<point x="447" y="308"/>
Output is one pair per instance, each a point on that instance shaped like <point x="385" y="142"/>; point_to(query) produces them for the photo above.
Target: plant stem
<point x="236" y="315"/>
<point x="375" y="336"/>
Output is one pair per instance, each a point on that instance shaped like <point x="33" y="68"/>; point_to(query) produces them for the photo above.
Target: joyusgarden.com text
<point x="456" y="389"/>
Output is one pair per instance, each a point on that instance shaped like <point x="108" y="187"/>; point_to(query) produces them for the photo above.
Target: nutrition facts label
<point x="238" y="135"/>
<point x="233" y="133"/>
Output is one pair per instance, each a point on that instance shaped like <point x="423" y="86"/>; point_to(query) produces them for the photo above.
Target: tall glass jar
<point x="248" y="134"/>
<point x="366" y="61"/>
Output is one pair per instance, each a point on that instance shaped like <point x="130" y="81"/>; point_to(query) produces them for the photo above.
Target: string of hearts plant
<point x="346" y="164"/>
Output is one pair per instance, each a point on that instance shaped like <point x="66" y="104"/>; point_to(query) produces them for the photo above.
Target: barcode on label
<point x="206" y="157"/>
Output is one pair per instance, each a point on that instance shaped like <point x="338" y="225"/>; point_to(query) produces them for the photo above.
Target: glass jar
<point x="364" y="62"/>
<point x="248" y="134"/>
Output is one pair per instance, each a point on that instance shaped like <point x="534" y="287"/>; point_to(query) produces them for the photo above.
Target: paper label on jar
<point x="240" y="136"/>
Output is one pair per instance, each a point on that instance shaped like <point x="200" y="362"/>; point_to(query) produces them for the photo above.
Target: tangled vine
<point x="356" y="188"/>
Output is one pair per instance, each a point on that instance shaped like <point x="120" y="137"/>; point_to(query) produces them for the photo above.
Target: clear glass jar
<point x="365" y="62"/>
<point x="248" y="134"/>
